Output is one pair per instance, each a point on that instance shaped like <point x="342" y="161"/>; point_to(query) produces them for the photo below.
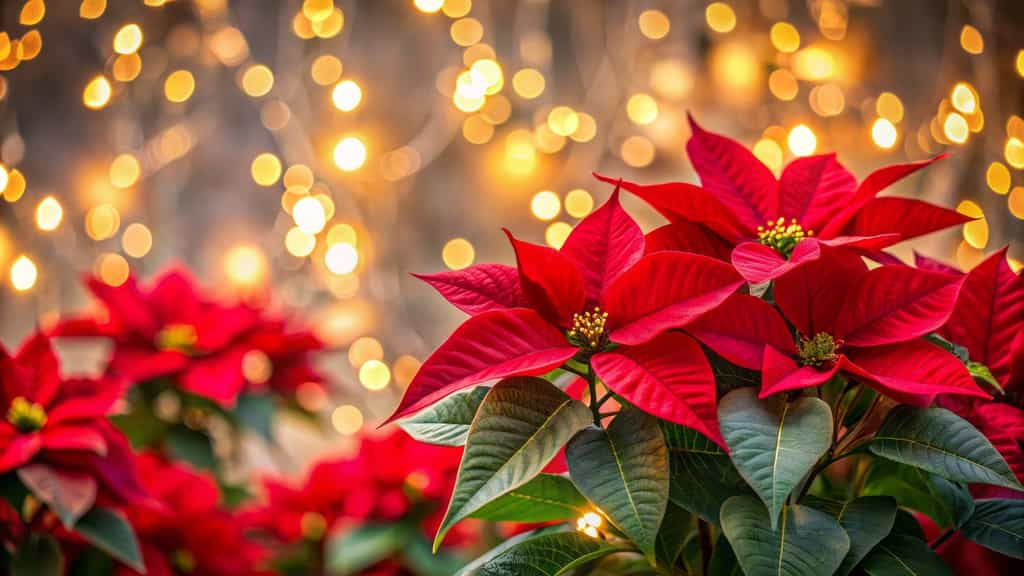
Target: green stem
<point x="705" y="545"/>
<point x="821" y="466"/>
<point x="595" y="405"/>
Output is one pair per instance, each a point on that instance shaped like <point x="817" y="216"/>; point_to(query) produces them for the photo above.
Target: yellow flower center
<point x="184" y="561"/>
<point x="818" y="350"/>
<point x="177" y="338"/>
<point x="26" y="416"/>
<point x="782" y="237"/>
<point x="313" y="525"/>
<point x="588" y="330"/>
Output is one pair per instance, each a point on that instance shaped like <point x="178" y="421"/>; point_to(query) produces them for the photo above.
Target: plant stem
<point x="705" y="545"/>
<point x="595" y="405"/>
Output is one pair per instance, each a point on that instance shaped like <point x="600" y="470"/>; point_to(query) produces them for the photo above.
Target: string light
<point x="801" y="140"/>
<point x="545" y="205"/>
<point x="128" y="39"/>
<point x="137" y="240"/>
<point x="350" y="154"/>
<point x="578" y="203"/>
<point x="49" y="213"/>
<point x="458" y="253"/>
<point x="720" y="16"/>
<point x="23" y="274"/>
<point x="654" y="24"/>
<point x="884" y="134"/>
<point x="347" y="95"/>
<point x="97" y="93"/>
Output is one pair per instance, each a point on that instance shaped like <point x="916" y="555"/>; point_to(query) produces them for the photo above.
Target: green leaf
<point x="672" y="534"/>
<point x="447" y="422"/>
<point x="998" y="524"/>
<point x="957" y="350"/>
<point x="947" y="503"/>
<point x="351" y="552"/>
<point x="545" y="498"/>
<point x="69" y="495"/>
<point x="866" y="520"/>
<point x="807" y="543"/>
<point x="623" y="564"/>
<point x="983" y="375"/>
<point x="624" y="472"/>
<point x="37" y="555"/>
<point x="907" y="525"/>
<point x="774" y="443"/>
<point x="256" y="412"/>
<point x="475" y="565"/>
<point x="418" y="557"/>
<point x="521" y="425"/>
<point x="723" y="559"/>
<point x="12" y="490"/>
<point x="901" y="555"/>
<point x="548" y="555"/>
<point x="191" y="446"/>
<point x="110" y="532"/>
<point x="936" y="440"/>
<point x="702" y="475"/>
<point x="693" y="559"/>
<point x="729" y="376"/>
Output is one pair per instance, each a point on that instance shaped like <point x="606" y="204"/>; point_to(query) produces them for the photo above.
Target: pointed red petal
<point x="760" y="263"/>
<point x="126" y="305"/>
<point x="989" y="315"/>
<point x="18" y="450"/>
<point x="813" y="189"/>
<point x="479" y="288"/>
<point x="36" y="355"/>
<point x="487" y="346"/>
<point x="811" y="295"/>
<point x="932" y="265"/>
<point x="688" y="237"/>
<point x="682" y="202"/>
<point x="733" y="174"/>
<point x="875" y="182"/>
<point x="665" y="290"/>
<point x="739" y="329"/>
<point x="1003" y="425"/>
<point x="668" y="377"/>
<point x="219" y="378"/>
<point x="907" y="217"/>
<point x="552" y="284"/>
<point x="895" y="304"/>
<point x="913" y="372"/>
<point x="603" y="245"/>
<point x="74" y="438"/>
<point x="781" y="373"/>
<point x="174" y="296"/>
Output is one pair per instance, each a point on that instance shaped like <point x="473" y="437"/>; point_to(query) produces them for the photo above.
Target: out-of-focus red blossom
<point x="989" y="321"/>
<point x="57" y="428"/>
<point x="775" y="225"/>
<point x="964" y="556"/>
<point x="169" y="329"/>
<point x="389" y="478"/>
<point x="189" y="533"/>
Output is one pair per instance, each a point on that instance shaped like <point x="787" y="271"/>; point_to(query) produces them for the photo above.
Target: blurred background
<point x="311" y="154"/>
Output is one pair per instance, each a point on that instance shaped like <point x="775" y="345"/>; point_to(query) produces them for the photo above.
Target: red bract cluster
<point x="208" y="348"/>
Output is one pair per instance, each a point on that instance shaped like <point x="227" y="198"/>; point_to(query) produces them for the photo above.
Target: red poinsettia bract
<point x="868" y="326"/>
<point x="55" y="433"/>
<point x="777" y="224"/>
<point x="190" y="533"/>
<point x="602" y="300"/>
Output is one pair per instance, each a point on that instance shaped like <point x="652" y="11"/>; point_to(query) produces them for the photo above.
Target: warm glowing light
<point x="547" y="141"/>
<point x="30" y="46"/>
<point x="364" y="349"/>
<point x="785" y="37"/>
<point x="428" y="6"/>
<point x="642" y="109"/>
<point x="5" y="178"/>
<point x="124" y="171"/>
<point x="298" y="243"/>
<point x="477" y="130"/>
<point x="827" y="100"/>
<point x="102" y="222"/>
<point x="586" y="129"/>
<point x="229" y="46"/>
<point x="92" y="9"/>
<point x="578" y="203"/>
<point x="563" y="120"/>
<point x="309" y="215"/>
<point x="350" y="154"/>
<point x="528" y="83"/>
<point x="23" y="274"/>
<point x="955" y="128"/>
<point x="654" y="24"/>
<point x="179" y="86"/>
<point x="245" y="265"/>
<point x="1020" y="62"/>
<point x="737" y="71"/>
<point x="346" y="95"/>
<point x="998" y="178"/>
<point x="128" y="39"/>
<point x="671" y="79"/>
<point x="589" y="523"/>
<point x="341" y="258"/>
<point x="404" y="369"/>
<point x="347" y="419"/>
<point x="814" y="64"/>
<point x="97" y="93"/>
<point x="975" y="232"/>
<point x="49" y="213"/>
<point x="637" y="151"/>
<point x="257" y="80"/>
<point x="275" y="114"/>
<point x="498" y="109"/>
<point x="556" y="233"/>
<point x="769" y="152"/>
<point x="265" y="169"/>
<point x="298" y="175"/>
<point x="545" y="205"/>
<point x="520" y="153"/>
<point x="801" y="140"/>
<point x="720" y="16"/>
<point x="964" y="98"/>
<point x="1016" y="202"/>
<point x="456" y="8"/>
<point x="1014" y="152"/>
<point x="326" y="69"/>
<point x="127" y="67"/>
<point x="490" y="72"/>
<point x="317" y="10"/>
<point x="458" y="253"/>
<point x="330" y="26"/>
<point x="890" y="107"/>
<point x="32" y="12"/>
<point x="137" y="240"/>
<point x="112" y="269"/>
<point x="467" y="31"/>
<point x="374" y="375"/>
<point x="883" y="133"/>
<point x="783" y="84"/>
<point x="971" y="40"/>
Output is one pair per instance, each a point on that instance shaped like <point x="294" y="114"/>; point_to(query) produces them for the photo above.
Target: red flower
<point x="867" y="326"/>
<point x="55" y="433"/>
<point x="777" y="224"/>
<point x="599" y="289"/>
<point x="190" y="533"/>
<point x="279" y="358"/>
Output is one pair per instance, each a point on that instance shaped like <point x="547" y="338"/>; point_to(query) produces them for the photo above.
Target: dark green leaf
<point x="624" y="471"/>
<point x="623" y="564"/>
<point x="702" y="475"/>
<point x="37" y="555"/>
<point x="807" y="543"/>
<point x="520" y="426"/>
<point x="191" y="446"/>
<point x="692" y="559"/>
<point x="866" y="520"/>
<point x="957" y="350"/>
<point x="901" y="555"/>
<point x="907" y="525"/>
<point x="774" y="443"/>
<point x="728" y="376"/>
<point x="547" y="555"/>
<point x="723" y="559"/>
<point x="998" y="524"/>
<point x="351" y="552"/>
<point x="256" y="412"/>
<point x="983" y="375"/>
<point x="12" y="490"/>
<point x="672" y="534"/>
<point x="545" y="498"/>
<point x="947" y="503"/>
<point x="936" y="440"/>
<point x="110" y="532"/>
<point x="140" y="425"/>
<point x="474" y="566"/>
<point x="418" y="556"/>
<point x="69" y="495"/>
<point x="447" y="422"/>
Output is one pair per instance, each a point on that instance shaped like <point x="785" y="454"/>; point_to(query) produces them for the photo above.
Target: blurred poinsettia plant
<point x="755" y="387"/>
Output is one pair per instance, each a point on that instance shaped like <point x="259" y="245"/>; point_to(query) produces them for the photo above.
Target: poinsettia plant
<point x="756" y="398"/>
